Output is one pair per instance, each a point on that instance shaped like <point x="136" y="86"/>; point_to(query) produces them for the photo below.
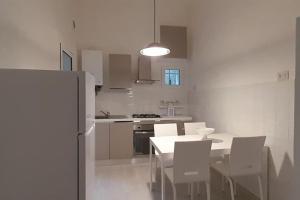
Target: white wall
<point x="238" y="47"/>
<point x="31" y="30"/>
<point x="125" y="27"/>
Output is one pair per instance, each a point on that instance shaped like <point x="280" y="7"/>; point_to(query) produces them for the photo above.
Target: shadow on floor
<point x="131" y="181"/>
<point x="216" y="191"/>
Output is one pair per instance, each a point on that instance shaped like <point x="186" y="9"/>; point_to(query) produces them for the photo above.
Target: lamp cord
<point x="154" y="20"/>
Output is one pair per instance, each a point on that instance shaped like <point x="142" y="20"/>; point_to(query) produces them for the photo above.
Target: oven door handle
<point x="143" y="132"/>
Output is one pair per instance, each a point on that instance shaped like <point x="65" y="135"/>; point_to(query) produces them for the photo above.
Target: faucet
<point x="106" y="114"/>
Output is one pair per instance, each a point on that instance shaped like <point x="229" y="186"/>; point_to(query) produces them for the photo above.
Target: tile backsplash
<point x="140" y="99"/>
<point x="147" y="98"/>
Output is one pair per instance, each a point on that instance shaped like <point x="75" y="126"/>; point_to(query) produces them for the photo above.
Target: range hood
<point x="144" y="70"/>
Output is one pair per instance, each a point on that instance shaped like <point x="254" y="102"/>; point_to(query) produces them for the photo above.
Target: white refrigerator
<point x="47" y="135"/>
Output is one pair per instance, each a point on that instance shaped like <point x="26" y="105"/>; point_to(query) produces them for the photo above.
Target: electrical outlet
<point x="283" y="76"/>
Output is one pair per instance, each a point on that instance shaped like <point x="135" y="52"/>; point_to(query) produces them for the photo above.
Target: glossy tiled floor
<point x="129" y="179"/>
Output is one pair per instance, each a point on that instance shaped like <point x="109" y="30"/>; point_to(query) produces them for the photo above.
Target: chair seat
<point x="221" y="167"/>
<point x="169" y="172"/>
<point x="215" y="159"/>
<point x="168" y="159"/>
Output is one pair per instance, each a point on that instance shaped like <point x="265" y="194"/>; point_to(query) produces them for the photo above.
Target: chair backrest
<point x="165" y="130"/>
<point x="190" y="128"/>
<point x="246" y="155"/>
<point x="191" y="161"/>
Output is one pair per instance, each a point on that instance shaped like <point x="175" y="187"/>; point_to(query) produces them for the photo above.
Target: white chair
<point x="165" y="130"/>
<point x="161" y="130"/>
<point x="191" y="165"/>
<point x="245" y="159"/>
<point x="190" y="128"/>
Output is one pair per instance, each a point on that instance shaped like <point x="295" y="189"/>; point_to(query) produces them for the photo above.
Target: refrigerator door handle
<point x="89" y="131"/>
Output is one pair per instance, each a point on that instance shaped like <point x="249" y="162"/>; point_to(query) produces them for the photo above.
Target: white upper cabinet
<point x="120" y="71"/>
<point x="175" y="38"/>
<point x="92" y="62"/>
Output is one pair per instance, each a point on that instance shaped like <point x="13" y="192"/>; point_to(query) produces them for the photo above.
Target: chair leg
<point x="174" y="191"/>
<point x="234" y="188"/>
<point x="189" y="189"/>
<point x="198" y="188"/>
<point x="260" y="187"/>
<point x="231" y="188"/>
<point x="155" y="169"/>
<point x="192" y="191"/>
<point x="208" y="190"/>
<point x="223" y="184"/>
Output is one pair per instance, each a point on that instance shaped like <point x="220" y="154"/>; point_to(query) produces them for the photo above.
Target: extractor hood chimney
<point x="144" y="70"/>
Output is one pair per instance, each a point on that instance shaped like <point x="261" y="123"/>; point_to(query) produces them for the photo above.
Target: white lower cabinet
<point x="102" y="141"/>
<point x="114" y="140"/>
<point x="121" y="140"/>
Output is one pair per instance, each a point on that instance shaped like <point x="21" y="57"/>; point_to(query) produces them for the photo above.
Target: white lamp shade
<point x="155" y="49"/>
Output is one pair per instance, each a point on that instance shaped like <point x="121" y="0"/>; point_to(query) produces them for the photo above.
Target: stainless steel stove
<point x="145" y="116"/>
<point x="142" y="131"/>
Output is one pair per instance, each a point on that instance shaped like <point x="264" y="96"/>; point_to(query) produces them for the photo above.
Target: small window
<point x="172" y="77"/>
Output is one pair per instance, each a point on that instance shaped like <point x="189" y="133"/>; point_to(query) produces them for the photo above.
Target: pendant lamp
<point x="155" y="48"/>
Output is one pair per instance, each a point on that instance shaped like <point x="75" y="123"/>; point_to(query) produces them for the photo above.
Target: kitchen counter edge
<point x="176" y="118"/>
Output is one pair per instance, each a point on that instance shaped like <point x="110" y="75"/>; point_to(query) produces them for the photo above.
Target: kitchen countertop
<point x="130" y="119"/>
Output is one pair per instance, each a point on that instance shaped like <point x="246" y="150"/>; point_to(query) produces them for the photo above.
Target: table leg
<point x="150" y="163"/>
<point x="162" y="178"/>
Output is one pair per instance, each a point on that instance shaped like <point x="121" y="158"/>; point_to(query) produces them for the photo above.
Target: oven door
<point x="141" y="140"/>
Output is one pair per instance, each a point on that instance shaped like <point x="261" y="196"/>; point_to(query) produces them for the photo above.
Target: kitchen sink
<point x="111" y="117"/>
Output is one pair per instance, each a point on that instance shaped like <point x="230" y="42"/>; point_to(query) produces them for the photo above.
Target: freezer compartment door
<point x="38" y="137"/>
<point x="86" y="101"/>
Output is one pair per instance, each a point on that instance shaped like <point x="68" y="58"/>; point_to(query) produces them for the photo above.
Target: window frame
<point x="179" y="73"/>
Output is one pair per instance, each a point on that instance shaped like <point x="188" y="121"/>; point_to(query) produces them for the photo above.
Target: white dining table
<point x="221" y="144"/>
